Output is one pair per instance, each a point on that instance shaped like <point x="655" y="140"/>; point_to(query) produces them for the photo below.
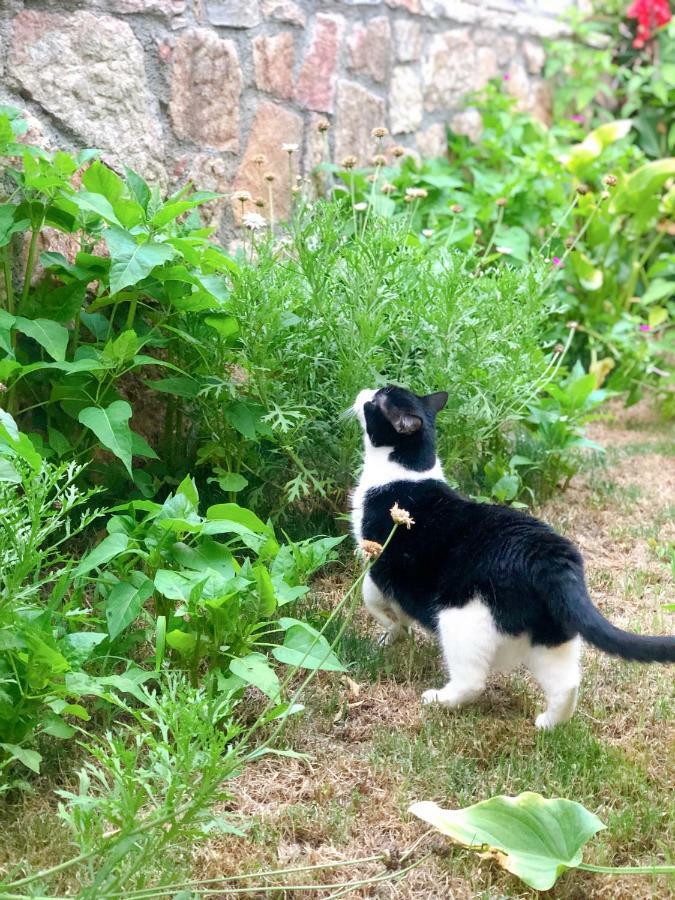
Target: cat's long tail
<point x="570" y="601"/>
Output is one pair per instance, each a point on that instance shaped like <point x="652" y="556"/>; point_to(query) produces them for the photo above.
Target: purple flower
<point x="506" y="76"/>
<point x="645" y="328"/>
<point x="578" y="118"/>
<point x="557" y="261"/>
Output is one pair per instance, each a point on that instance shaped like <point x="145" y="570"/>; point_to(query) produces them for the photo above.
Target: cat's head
<point x="395" y="417"/>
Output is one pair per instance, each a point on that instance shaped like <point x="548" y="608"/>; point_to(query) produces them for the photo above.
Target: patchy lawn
<point x="373" y="749"/>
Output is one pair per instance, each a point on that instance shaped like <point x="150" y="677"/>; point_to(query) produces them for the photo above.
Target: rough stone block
<point x="358" y="112"/>
<point x="284" y="11"/>
<point x="369" y="47"/>
<point x="535" y="57"/>
<point x="87" y="71"/>
<point x="467" y="122"/>
<point x="166" y="8"/>
<point x="316" y="83"/>
<point x="273" y="61"/>
<point x="273" y="126"/>
<point x="406" y="103"/>
<point x="432" y="142"/>
<point x="407" y="40"/>
<point x="458" y="11"/>
<point x="452" y="66"/>
<point x="205" y="89"/>
<point x="233" y="13"/>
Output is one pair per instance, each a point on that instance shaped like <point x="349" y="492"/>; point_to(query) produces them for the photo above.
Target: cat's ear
<point x="401" y="421"/>
<point x="436" y="402"/>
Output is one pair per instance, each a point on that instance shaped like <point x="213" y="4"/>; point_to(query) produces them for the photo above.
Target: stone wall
<point x="201" y="88"/>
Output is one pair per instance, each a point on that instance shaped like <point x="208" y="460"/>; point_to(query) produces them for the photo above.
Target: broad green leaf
<point x="179" y="640"/>
<point x="140" y="447"/>
<point x="111" y="427"/>
<point x="207" y="555"/>
<point x="266" y="592"/>
<point x="29" y="758"/>
<point x="659" y="289"/>
<point x="227" y="326"/>
<point x="172" y="210"/>
<point x="303" y="646"/>
<point x="96" y="203"/>
<point x="49" y="334"/>
<point x="255" y="669"/>
<point x="178" y="385"/>
<point x="80" y="645"/>
<point x="581" y="155"/>
<point x="231" y="482"/>
<point x="8" y="473"/>
<point x="232" y="512"/>
<point x="124" y="604"/>
<point x="643" y="183"/>
<point x="534" y="838"/>
<point x="100" y="179"/>
<point x="108" y="549"/>
<point x="138" y="187"/>
<point x="590" y="278"/>
<point x="657" y="316"/>
<point x="132" y="261"/>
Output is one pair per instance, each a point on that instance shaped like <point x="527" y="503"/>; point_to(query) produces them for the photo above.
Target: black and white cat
<point x="498" y="587"/>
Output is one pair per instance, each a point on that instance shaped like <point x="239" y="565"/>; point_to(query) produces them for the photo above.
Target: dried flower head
<point x="379" y="160"/>
<point x="415" y="193"/>
<point x="260" y="159"/>
<point x="501" y="201"/>
<point x="604" y="195"/>
<point x="254" y="221"/>
<point x="290" y="148"/>
<point x="610" y="180"/>
<point x="361" y="207"/>
<point x="371" y="178"/>
<point x="572" y="325"/>
<point x="583" y="189"/>
<point x="242" y="196"/>
<point x="259" y="202"/>
<point x="427" y="232"/>
<point x="558" y="349"/>
<point x="397" y="151"/>
<point x="370" y="549"/>
<point x="322" y="125"/>
<point x="401" y="516"/>
<point x="569" y="241"/>
<point x="269" y="176"/>
<point x="349" y="162"/>
<point x="478" y="232"/>
<point x="388" y="188"/>
<point x="456" y="208"/>
<point x="3" y="388"/>
<point x="379" y="132"/>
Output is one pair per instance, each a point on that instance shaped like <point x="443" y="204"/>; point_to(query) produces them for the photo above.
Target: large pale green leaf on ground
<point x="232" y="512"/>
<point x="108" y="549"/>
<point x="590" y="277"/>
<point x="254" y="669"/>
<point x="49" y="334"/>
<point x="131" y="261"/>
<point x="594" y="143"/>
<point x="111" y="427"/>
<point x="532" y="837"/>
<point x="304" y="646"/>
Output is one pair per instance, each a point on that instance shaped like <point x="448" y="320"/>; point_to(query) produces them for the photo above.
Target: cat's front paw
<point x="431" y="696"/>
<point x="544" y="722"/>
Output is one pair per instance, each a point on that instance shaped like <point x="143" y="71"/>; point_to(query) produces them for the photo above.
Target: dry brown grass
<point x="346" y="803"/>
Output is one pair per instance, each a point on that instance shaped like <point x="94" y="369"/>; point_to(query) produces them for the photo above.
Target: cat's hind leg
<point x="469" y="640"/>
<point x="558" y="672"/>
<point x="384" y="611"/>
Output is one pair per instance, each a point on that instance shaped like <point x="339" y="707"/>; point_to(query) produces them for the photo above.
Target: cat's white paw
<point x="544" y="722"/>
<point x="431" y="696"/>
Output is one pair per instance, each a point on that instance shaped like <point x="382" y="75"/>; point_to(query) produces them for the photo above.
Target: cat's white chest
<point x="378" y="471"/>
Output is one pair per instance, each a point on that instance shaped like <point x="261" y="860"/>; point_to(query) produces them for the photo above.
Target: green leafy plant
<point x="534" y="838"/>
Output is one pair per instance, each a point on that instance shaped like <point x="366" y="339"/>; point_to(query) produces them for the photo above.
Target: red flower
<point x="650" y="14"/>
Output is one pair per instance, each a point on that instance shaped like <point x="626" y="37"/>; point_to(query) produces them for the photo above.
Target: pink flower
<point x="645" y="328"/>
<point x="578" y="118"/>
<point x="557" y="261"/>
<point x="506" y="76"/>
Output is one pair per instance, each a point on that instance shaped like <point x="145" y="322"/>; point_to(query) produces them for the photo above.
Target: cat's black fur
<point x="531" y="577"/>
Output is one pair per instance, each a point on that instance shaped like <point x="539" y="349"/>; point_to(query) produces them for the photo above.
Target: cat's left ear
<point x="436" y="402"/>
